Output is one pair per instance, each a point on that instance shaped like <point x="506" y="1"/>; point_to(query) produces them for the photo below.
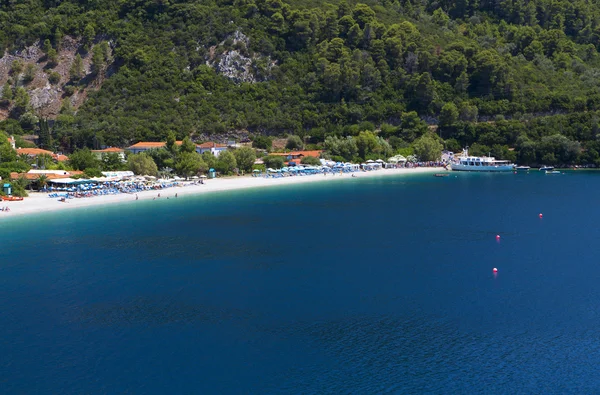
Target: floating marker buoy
<point x="541" y="215"/>
<point x="497" y="237"/>
<point x="495" y="270"/>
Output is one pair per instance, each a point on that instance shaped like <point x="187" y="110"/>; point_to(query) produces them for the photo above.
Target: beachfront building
<point x="33" y="175"/>
<point x="210" y="146"/>
<point x="111" y="150"/>
<point x="295" y="157"/>
<point x="34" y="152"/>
<point x="144" y="146"/>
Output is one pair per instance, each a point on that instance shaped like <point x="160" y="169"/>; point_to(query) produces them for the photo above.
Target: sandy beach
<point x="40" y="202"/>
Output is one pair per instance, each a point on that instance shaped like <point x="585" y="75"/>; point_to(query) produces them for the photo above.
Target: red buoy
<point x="497" y="237"/>
<point x="495" y="270"/>
<point x="541" y="215"/>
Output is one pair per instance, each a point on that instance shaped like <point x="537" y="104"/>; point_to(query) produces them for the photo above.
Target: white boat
<point x="522" y="168"/>
<point x="546" y="168"/>
<point x="480" y="163"/>
<point x="552" y="172"/>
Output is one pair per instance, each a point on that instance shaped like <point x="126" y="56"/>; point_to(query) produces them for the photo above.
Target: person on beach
<point x="136" y="197"/>
<point x="175" y="195"/>
<point x="159" y="195"/>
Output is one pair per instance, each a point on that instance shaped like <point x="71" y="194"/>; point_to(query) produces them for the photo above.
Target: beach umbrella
<point x="380" y="161"/>
<point x="195" y="178"/>
<point x="253" y="171"/>
<point x="370" y="161"/>
<point x="202" y="176"/>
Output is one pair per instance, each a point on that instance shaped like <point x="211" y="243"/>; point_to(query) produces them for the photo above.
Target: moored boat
<point x="480" y="163"/>
<point x="546" y="168"/>
<point x="522" y="168"/>
<point x="12" y="198"/>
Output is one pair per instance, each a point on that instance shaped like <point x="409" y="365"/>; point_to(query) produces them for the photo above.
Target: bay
<point x="374" y="285"/>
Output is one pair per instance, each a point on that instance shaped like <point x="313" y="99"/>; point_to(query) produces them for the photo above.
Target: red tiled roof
<point x="210" y="144"/>
<point x="148" y="144"/>
<point x="152" y="144"/>
<point x="110" y="149"/>
<point x="39" y="151"/>
<point x="315" y="153"/>
<point x="33" y="151"/>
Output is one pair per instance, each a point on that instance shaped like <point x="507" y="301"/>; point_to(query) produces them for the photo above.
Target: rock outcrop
<point x="232" y="59"/>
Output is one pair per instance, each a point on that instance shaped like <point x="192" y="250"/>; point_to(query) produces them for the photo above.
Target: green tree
<point x="226" y="162"/>
<point x="187" y="146"/>
<point x="76" y="71"/>
<point x="448" y="115"/>
<point x="310" y="160"/>
<point x="46" y="46"/>
<point x="171" y="145"/>
<point x="21" y="103"/>
<point x="262" y="142"/>
<point x="29" y="74"/>
<point x="188" y="164"/>
<point x="53" y="78"/>
<point x="367" y="143"/>
<point x="273" y="161"/>
<point x="7" y="154"/>
<point x="89" y="33"/>
<point x="342" y="147"/>
<point x="16" y="67"/>
<point x="112" y="161"/>
<point x="97" y="60"/>
<point x="91" y="172"/>
<point x="428" y="148"/>
<point x="7" y="93"/>
<point x="245" y="157"/>
<point x="209" y="159"/>
<point x="19" y="185"/>
<point x="42" y="181"/>
<point x="294" y="143"/>
<point x="52" y="56"/>
<point x="142" y="164"/>
<point x="440" y="17"/>
<point x="83" y="159"/>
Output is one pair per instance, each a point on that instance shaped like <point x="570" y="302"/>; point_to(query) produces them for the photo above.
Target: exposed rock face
<point x="45" y="98"/>
<point x="239" y="136"/>
<point x="236" y="64"/>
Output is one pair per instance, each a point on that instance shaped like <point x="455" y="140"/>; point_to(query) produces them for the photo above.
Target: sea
<point x="356" y="286"/>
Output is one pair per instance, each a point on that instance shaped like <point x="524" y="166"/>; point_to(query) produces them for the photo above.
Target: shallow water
<point x="357" y="286"/>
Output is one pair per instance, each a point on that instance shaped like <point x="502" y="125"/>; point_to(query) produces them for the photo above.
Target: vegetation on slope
<point x="492" y="75"/>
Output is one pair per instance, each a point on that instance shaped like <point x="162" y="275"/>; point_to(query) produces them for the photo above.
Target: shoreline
<point x="38" y="203"/>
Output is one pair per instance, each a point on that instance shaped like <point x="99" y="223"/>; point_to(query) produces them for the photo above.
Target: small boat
<point x="522" y="168"/>
<point x="12" y="198"/>
<point x="552" y="172"/>
<point x="441" y="175"/>
<point x="546" y="168"/>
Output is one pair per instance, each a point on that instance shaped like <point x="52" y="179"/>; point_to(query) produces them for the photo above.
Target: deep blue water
<point x="380" y="285"/>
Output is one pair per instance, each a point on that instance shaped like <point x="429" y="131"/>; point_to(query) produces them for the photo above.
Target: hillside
<point x="492" y="75"/>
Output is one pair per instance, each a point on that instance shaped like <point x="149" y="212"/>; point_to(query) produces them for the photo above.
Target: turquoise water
<point x="380" y="285"/>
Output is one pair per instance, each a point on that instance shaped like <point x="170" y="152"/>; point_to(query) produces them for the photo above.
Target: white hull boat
<point x="480" y="163"/>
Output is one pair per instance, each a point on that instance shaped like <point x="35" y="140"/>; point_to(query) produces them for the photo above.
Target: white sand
<point x="40" y="202"/>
